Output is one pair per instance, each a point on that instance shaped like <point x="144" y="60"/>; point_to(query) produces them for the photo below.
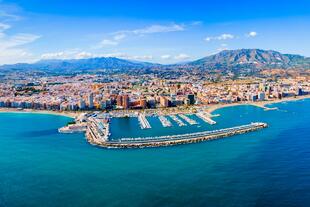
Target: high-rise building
<point x="119" y="100"/>
<point x="261" y="96"/>
<point x="82" y="104"/>
<point x="191" y="98"/>
<point x="164" y="102"/>
<point x="143" y="103"/>
<point x="91" y="101"/>
<point x="299" y="92"/>
<point x="125" y="101"/>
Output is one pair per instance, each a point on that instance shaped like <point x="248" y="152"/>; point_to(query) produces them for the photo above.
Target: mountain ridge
<point x="240" y="59"/>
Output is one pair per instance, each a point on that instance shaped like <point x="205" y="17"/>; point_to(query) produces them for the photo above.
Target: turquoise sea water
<point x="270" y="167"/>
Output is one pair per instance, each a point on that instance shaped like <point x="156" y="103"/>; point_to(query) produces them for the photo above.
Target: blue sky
<point x="154" y="31"/>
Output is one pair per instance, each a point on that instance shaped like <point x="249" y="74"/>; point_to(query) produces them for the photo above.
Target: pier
<point x="97" y="131"/>
<point x="188" y="120"/>
<point x="74" y="128"/>
<point x="164" y="121"/>
<point x="177" y="120"/>
<point x="168" y="140"/>
<point x="205" y="118"/>
<point x="144" y="124"/>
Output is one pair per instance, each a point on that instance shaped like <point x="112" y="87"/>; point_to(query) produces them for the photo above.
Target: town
<point x="90" y="92"/>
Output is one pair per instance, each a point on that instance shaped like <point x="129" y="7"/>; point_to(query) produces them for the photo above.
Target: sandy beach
<point x="59" y="113"/>
<point x="209" y="109"/>
<point x="261" y="104"/>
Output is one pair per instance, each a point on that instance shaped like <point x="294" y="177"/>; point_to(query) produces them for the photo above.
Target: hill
<point x="251" y="59"/>
<point x="241" y="60"/>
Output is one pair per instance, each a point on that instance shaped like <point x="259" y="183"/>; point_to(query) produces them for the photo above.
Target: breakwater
<point x="141" y="142"/>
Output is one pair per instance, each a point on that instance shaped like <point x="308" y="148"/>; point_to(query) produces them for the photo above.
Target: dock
<point x="74" y="128"/>
<point x="158" y="141"/>
<point x="97" y="131"/>
<point x="177" y="120"/>
<point x="164" y="121"/>
<point x="144" y="124"/>
<point x="205" y="118"/>
<point x="188" y="120"/>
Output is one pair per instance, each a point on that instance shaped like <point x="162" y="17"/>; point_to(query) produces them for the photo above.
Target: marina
<point x="177" y="120"/>
<point x="157" y="141"/>
<point x="188" y="120"/>
<point x="144" y="124"/>
<point x="164" y="121"/>
<point x="206" y="118"/>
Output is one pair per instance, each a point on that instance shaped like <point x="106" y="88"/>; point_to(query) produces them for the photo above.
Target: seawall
<point x="91" y="137"/>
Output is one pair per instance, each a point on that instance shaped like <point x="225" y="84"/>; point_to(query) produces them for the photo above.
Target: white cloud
<point x="83" y="55"/>
<point x="158" y="29"/>
<point x="55" y="55"/>
<point x="11" y="56"/>
<point x="11" y="48"/>
<point x="17" y="40"/>
<point x="119" y="37"/>
<point x="116" y="54"/>
<point x="142" y="57"/>
<point x="114" y="41"/>
<point x="67" y="54"/>
<point x="77" y="54"/>
<point x="251" y="34"/>
<point x="107" y="42"/>
<point x="196" y="23"/>
<point x="4" y="26"/>
<point x="208" y="39"/>
<point x="126" y="56"/>
<point x="225" y="36"/>
<point x="165" y="57"/>
<point x="6" y="12"/>
<point x="182" y="56"/>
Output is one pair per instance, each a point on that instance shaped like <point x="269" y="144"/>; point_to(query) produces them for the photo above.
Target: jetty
<point x="97" y="130"/>
<point x="188" y="120"/>
<point x="73" y="128"/>
<point x="177" y="120"/>
<point x="144" y="124"/>
<point x="205" y="117"/>
<point x="164" y="121"/>
<point x="169" y="140"/>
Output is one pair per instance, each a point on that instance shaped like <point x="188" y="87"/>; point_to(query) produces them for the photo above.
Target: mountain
<point x="76" y="65"/>
<point x="242" y="60"/>
<point x="251" y="59"/>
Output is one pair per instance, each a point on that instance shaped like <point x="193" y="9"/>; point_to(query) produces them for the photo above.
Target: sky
<point x="152" y="31"/>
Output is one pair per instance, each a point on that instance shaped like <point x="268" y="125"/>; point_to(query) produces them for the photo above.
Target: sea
<point x="269" y="167"/>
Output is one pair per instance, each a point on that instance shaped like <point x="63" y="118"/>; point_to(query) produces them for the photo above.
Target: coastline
<point x="260" y="104"/>
<point x="72" y="115"/>
<point x="210" y="108"/>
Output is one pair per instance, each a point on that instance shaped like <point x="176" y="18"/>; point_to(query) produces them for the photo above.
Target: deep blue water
<point x="270" y="167"/>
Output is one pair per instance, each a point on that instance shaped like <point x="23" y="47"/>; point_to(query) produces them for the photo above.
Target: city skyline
<point x="159" y="32"/>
